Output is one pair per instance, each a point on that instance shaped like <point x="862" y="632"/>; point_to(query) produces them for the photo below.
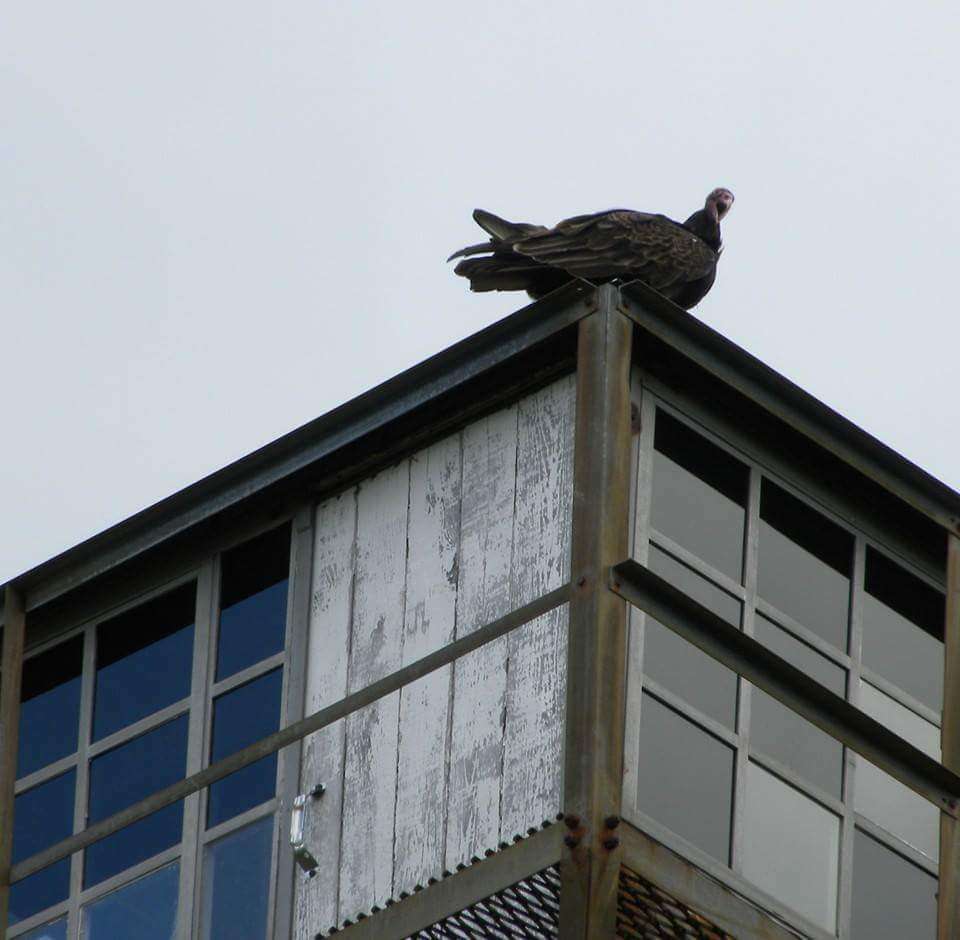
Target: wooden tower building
<point x="590" y="626"/>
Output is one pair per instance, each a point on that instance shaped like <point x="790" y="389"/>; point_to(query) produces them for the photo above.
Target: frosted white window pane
<point x="887" y="801"/>
<point x="791" y="847"/>
<point x="892" y="899"/>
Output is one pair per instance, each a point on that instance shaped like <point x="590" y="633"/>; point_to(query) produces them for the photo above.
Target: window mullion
<point x="83" y="774"/>
<point x="751" y="542"/>
<point x="639" y="550"/>
<point x="845" y="893"/>
<point x="196" y="744"/>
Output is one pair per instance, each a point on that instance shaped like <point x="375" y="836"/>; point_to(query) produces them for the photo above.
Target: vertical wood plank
<point x="370" y="773"/>
<point x="296" y="660"/>
<point x="328" y="652"/>
<point x="536" y="675"/>
<point x="483" y="594"/>
<point x="433" y="537"/>
<point x="14" y="632"/>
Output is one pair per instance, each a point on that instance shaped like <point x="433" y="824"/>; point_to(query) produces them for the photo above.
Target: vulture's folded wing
<point x="621" y="243"/>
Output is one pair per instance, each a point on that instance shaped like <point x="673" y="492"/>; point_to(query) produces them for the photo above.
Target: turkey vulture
<point x="678" y="260"/>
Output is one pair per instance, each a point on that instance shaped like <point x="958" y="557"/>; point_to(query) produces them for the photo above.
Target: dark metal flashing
<point x="472" y="376"/>
<point x="524" y="348"/>
<point x="737" y="368"/>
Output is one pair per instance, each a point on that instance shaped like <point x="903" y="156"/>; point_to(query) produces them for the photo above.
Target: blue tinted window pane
<point x="42" y="816"/>
<point x="55" y="931"/>
<point x="236" y="884"/>
<point x="125" y="775"/>
<point x="50" y="706"/>
<point x="143" y="660"/>
<point x="39" y="891"/>
<point x="146" y="909"/>
<point x="241" y="717"/>
<point x="253" y="601"/>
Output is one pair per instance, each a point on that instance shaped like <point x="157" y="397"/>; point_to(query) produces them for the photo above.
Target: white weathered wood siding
<point x="418" y="555"/>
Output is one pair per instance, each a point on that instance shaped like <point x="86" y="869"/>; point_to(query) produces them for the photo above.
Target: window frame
<point x="194" y="836"/>
<point x="648" y="395"/>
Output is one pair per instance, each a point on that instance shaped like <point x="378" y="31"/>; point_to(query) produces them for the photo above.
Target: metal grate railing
<point x="529" y="908"/>
<point x="644" y="912"/>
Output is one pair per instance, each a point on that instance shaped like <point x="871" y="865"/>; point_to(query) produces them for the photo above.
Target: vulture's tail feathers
<point x="502" y="272"/>
<point x="480" y="249"/>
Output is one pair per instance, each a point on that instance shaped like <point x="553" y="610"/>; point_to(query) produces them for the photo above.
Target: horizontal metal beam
<point x="795" y="689"/>
<point x="362" y="419"/>
<point x="800" y="410"/>
<point x="459" y="891"/>
<point x="292" y="733"/>
<point x="696" y="889"/>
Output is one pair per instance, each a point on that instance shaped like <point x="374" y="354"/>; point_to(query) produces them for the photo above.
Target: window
<point x="700" y="493"/>
<point x="686" y="778"/>
<point x="168" y="690"/>
<point x="827" y="599"/>
<point x="892" y="898"/>
<point x="236" y="883"/>
<point x="145" y="909"/>
<point x="791" y="846"/>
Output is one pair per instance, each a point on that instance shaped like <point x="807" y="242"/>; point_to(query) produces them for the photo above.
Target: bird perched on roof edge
<point x="677" y="259"/>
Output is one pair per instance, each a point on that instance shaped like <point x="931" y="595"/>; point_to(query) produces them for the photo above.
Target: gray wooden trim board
<point x="596" y="666"/>
<point x="14" y="633"/>
<point x="295" y="669"/>
<point x="948" y="909"/>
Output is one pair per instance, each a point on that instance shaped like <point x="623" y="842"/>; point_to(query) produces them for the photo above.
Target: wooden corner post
<point x="597" y="648"/>
<point x="949" y="892"/>
<point x="14" y="628"/>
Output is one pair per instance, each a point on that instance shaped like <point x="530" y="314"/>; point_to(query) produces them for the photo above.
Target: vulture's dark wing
<point x="625" y="244"/>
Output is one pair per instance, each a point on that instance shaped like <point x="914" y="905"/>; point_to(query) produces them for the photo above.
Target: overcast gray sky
<point x="219" y="220"/>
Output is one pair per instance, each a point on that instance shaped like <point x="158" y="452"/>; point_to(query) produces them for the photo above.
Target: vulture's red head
<point x="719" y="202"/>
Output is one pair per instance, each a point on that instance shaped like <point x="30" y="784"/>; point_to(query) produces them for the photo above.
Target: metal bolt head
<point x="611" y="822"/>
<point x="571" y="841"/>
<point x="572" y="820"/>
<point x="611" y="843"/>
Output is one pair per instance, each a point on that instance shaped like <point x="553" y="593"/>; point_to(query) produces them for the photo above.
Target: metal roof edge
<point x="439" y="374"/>
<point x="806" y="414"/>
<point x="453" y="367"/>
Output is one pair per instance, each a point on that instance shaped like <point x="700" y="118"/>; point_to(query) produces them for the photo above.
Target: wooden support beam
<point x="949" y="894"/>
<point x="597" y="637"/>
<point x="14" y="629"/>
